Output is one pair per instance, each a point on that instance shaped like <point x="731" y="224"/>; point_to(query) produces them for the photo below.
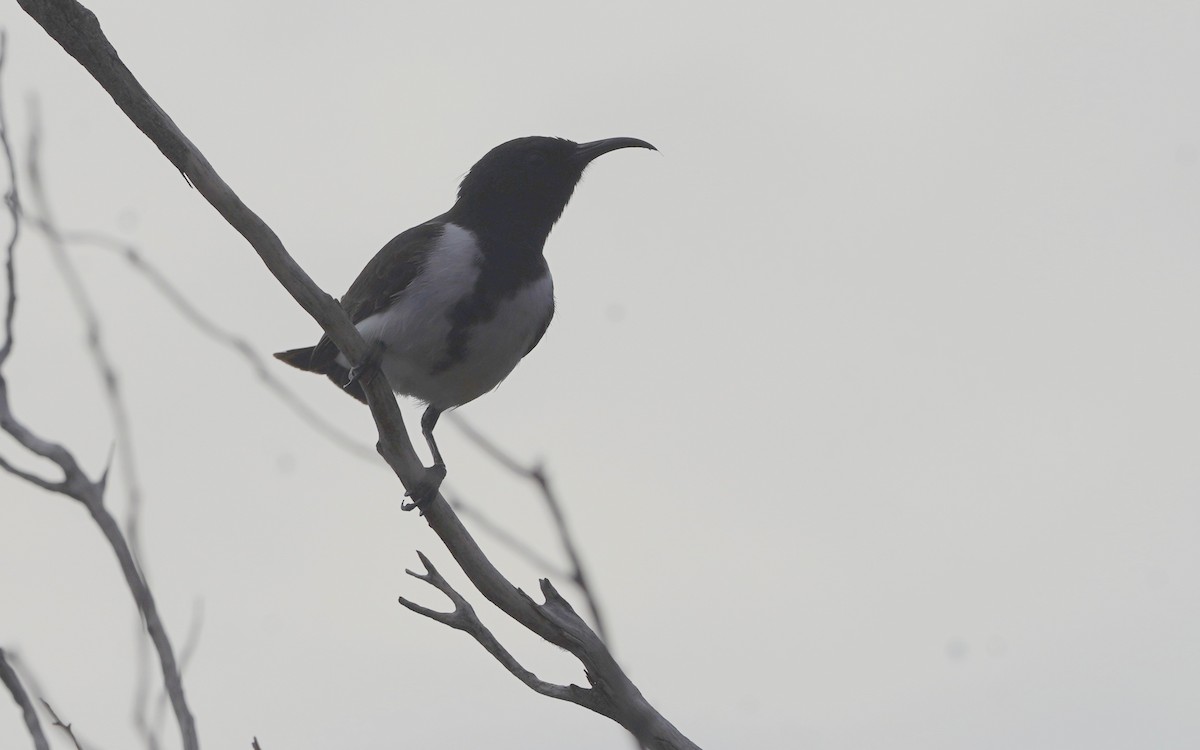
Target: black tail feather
<point x="303" y="360"/>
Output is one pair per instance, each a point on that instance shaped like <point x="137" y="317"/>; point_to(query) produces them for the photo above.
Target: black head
<point x="521" y="187"/>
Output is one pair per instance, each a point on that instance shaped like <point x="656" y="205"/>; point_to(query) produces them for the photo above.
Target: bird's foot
<point x="426" y="488"/>
<point x="369" y="362"/>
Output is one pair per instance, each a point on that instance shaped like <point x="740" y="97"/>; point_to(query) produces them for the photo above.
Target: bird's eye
<point x="535" y="159"/>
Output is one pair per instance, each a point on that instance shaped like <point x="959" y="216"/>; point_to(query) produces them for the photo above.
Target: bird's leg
<point x="370" y="361"/>
<point x="427" y="488"/>
<point x="428" y="422"/>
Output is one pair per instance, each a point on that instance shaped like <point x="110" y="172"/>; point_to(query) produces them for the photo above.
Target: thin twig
<point x="503" y="536"/>
<point x="38" y="690"/>
<point x="487" y="446"/>
<point x="55" y="721"/>
<point x="11" y="681"/>
<point x="224" y="336"/>
<point x="30" y="477"/>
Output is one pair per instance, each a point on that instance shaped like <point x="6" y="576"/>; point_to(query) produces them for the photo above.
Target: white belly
<point x="415" y="329"/>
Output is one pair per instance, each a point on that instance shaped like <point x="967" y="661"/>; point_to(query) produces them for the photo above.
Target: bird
<point x="449" y="307"/>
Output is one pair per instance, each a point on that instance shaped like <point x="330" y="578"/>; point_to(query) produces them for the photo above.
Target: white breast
<point x="415" y="328"/>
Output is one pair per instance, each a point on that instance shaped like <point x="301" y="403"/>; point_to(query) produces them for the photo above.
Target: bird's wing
<point x="391" y="271"/>
<point x="387" y="274"/>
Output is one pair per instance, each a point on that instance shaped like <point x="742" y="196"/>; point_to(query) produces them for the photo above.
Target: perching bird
<point x="452" y="305"/>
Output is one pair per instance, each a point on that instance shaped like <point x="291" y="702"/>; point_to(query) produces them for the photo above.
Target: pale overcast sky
<point x="873" y="398"/>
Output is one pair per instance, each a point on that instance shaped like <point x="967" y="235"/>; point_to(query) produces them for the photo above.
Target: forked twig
<point x="464" y="618"/>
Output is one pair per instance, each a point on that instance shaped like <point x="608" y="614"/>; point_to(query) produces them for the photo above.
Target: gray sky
<point x="872" y="398"/>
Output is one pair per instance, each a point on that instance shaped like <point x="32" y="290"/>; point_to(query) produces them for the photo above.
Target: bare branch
<point x="11" y="681"/>
<point x="614" y="695"/>
<point x="12" y="201"/>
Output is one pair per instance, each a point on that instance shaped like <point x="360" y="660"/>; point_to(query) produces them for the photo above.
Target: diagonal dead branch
<point x="77" y="30"/>
<point x="11" y="681"/>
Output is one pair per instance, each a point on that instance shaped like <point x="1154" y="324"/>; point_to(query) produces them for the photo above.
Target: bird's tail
<point x="303" y="359"/>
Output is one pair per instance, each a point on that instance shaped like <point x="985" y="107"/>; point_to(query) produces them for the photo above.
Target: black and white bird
<point x="452" y="305"/>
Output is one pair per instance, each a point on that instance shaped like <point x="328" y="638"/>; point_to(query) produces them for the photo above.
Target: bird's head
<point x="522" y="186"/>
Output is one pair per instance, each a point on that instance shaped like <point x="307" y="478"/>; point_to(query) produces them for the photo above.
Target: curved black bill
<point x="585" y="152"/>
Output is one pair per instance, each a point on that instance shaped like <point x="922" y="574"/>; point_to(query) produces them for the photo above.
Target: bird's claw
<point x="374" y="356"/>
<point x="426" y="489"/>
